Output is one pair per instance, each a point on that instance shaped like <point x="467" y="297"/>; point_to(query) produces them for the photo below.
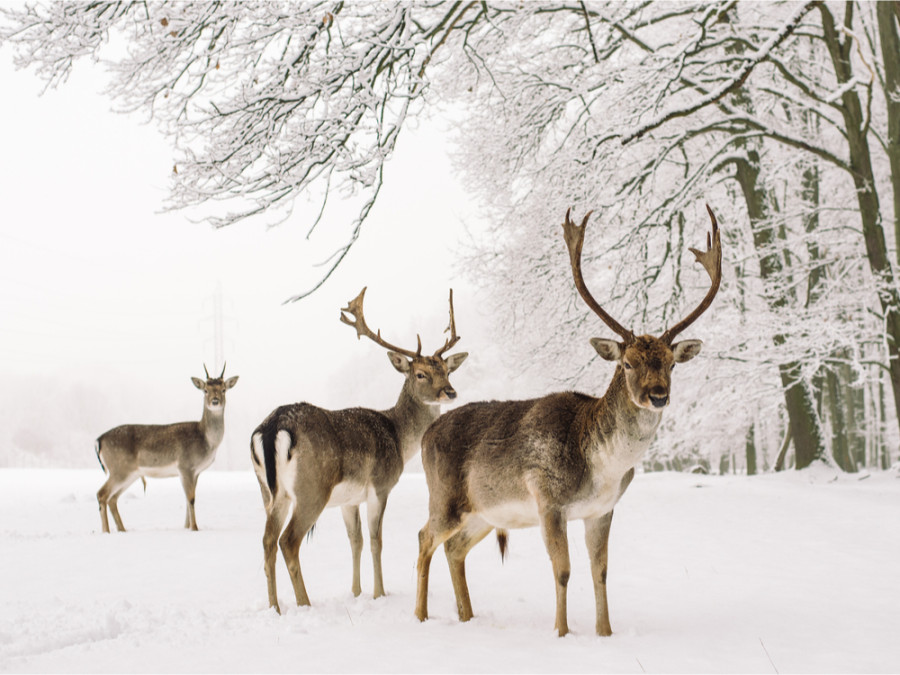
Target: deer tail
<point x="502" y="542"/>
<point x="99" y="459"/>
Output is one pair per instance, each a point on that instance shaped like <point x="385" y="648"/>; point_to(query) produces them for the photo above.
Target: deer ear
<point x="200" y="384"/>
<point x="609" y="350"/>
<point x="231" y="381"/>
<point x="686" y="350"/>
<point x="454" y="361"/>
<point x="399" y="362"/>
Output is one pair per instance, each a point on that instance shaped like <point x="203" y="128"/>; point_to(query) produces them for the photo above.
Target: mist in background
<point x="110" y="305"/>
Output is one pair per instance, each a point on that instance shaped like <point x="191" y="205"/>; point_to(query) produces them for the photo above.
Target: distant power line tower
<point x="214" y="322"/>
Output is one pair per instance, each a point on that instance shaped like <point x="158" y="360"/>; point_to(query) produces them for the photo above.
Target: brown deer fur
<point x="542" y="462"/>
<point x="133" y="451"/>
<point x="307" y="459"/>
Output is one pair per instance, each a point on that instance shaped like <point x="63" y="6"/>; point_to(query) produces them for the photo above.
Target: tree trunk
<point x="839" y="438"/>
<point x="857" y="128"/>
<point x="888" y="14"/>
<point x="799" y="400"/>
<point x="751" y="451"/>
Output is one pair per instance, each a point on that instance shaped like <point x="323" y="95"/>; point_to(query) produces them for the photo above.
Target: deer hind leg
<point x="457" y="548"/>
<point x="311" y="499"/>
<point x="108" y="495"/>
<point x="354" y="532"/>
<point x="596" y="536"/>
<point x="189" y="482"/>
<point x="375" y="515"/>
<point x="553" y="529"/>
<point x="275" y="515"/>
<point x="435" y="533"/>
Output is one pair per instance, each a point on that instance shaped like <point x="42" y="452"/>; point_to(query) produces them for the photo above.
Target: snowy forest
<point x="784" y="117"/>
<point x="199" y="187"/>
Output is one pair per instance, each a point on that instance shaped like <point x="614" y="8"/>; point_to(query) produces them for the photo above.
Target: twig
<point x="774" y="667"/>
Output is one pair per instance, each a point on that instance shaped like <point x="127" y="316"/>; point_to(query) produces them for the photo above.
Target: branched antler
<point x="711" y="259"/>
<point x="574" y="236"/>
<point x="454" y="338"/>
<point x="355" y="308"/>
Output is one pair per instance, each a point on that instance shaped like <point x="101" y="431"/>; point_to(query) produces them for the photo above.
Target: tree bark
<point x="799" y="400"/>
<point x="857" y="128"/>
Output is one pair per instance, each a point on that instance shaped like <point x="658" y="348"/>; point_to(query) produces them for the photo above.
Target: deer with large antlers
<point x="133" y="451"/>
<point x="307" y="458"/>
<point x="542" y="462"/>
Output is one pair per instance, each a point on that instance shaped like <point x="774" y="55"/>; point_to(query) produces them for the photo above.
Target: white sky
<point x="98" y="286"/>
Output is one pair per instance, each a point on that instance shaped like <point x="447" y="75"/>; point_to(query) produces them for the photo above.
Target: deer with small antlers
<point x="309" y="458"/>
<point x="542" y="462"/>
<point x="133" y="451"/>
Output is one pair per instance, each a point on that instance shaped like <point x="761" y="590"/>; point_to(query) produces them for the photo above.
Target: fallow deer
<point x="309" y="458"/>
<point x="545" y="461"/>
<point x="133" y="451"/>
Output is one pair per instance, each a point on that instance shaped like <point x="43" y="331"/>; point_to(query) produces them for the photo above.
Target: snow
<point x="795" y="572"/>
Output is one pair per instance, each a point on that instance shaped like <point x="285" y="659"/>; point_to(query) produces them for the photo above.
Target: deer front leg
<point x="596" y="536"/>
<point x="354" y="532"/>
<point x="189" y="483"/>
<point x="553" y="529"/>
<point x="375" y="515"/>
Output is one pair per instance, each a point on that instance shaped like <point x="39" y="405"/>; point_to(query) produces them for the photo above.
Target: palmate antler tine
<point x="451" y="327"/>
<point x="711" y="259"/>
<point x="574" y="236"/>
<point x="355" y="309"/>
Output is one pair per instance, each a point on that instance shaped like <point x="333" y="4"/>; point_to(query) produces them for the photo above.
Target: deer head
<point x="214" y="388"/>
<point x="647" y="361"/>
<point x="428" y="377"/>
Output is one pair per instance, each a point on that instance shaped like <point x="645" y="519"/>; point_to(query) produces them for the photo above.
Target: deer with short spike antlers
<point x="309" y="458"/>
<point x="133" y="451"/>
<point x="543" y="462"/>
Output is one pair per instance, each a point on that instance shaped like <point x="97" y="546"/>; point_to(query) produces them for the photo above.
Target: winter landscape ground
<point x="795" y="572"/>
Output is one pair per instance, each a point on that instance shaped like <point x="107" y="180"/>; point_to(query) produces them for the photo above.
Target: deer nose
<point x="659" y="401"/>
<point x="449" y="392"/>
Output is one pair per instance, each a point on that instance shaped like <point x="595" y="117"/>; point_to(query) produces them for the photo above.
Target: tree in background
<point x="784" y="116"/>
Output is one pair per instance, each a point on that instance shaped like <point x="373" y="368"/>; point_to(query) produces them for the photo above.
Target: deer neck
<point x="411" y="417"/>
<point x="212" y="424"/>
<point x="619" y="429"/>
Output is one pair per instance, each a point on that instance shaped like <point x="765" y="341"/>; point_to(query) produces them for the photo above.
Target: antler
<point x="454" y="338"/>
<point x="355" y="308"/>
<point x="574" y="236"/>
<point x="217" y="378"/>
<point x="711" y="259"/>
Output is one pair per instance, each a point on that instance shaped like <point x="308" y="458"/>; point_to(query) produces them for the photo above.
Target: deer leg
<point x="306" y="512"/>
<point x="354" y="532"/>
<point x="375" y="515"/>
<point x="596" y="536"/>
<point x="275" y="516"/>
<point x="457" y="548"/>
<point x="189" y="482"/>
<point x="103" y="495"/>
<point x="430" y="537"/>
<point x="553" y="529"/>
<point x="109" y="495"/>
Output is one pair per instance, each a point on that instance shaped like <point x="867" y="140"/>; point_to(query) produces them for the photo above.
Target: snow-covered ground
<point x="790" y="573"/>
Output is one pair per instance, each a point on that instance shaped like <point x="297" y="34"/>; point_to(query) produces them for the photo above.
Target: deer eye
<point x="627" y="365"/>
<point x="420" y="376"/>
